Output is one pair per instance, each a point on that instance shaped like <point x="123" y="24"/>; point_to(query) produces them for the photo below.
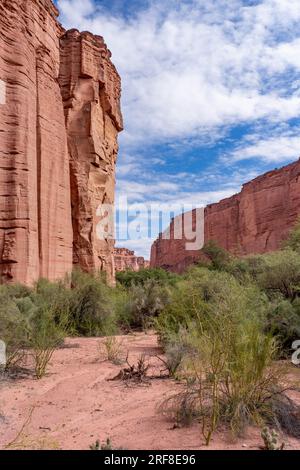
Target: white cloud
<point x="278" y="147"/>
<point x="193" y="66"/>
<point x="190" y="71"/>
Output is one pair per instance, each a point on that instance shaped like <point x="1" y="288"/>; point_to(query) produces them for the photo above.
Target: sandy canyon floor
<point x="75" y="404"/>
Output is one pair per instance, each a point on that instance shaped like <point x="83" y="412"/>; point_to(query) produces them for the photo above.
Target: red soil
<point x="74" y="405"/>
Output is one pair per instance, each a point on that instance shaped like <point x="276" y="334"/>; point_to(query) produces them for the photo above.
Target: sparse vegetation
<point x="113" y="349"/>
<point x="223" y="327"/>
<point x="134" y="373"/>
<point x="270" y="438"/>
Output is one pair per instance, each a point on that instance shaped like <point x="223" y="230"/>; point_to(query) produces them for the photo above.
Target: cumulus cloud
<point x="279" y="146"/>
<point x="191" y="66"/>
<point x="193" y="70"/>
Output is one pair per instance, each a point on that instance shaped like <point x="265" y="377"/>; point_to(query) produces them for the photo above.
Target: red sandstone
<point x="58" y="144"/>
<point x="257" y="220"/>
<point x="126" y="259"/>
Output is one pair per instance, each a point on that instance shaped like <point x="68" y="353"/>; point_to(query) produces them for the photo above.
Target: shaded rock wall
<point x="37" y="152"/>
<point x="91" y="95"/>
<point x="257" y="220"/>
<point x="126" y="259"/>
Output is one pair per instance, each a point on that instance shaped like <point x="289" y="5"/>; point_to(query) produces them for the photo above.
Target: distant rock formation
<point x="58" y="144"/>
<point x="257" y="220"/>
<point x="126" y="259"/>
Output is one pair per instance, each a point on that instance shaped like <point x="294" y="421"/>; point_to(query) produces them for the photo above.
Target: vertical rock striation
<point x="257" y="220"/>
<point x="127" y="260"/>
<point x="90" y="88"/>
<point x="58" y="144"/>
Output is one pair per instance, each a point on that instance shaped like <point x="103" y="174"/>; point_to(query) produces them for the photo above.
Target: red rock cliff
<point x="90" y="88"/>
<point x="58" y="144"/>
<point x="256" y="220"/>
<point x="126" y="259"/>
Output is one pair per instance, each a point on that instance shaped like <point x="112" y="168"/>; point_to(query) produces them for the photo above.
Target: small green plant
<point x="270" y="438"/>
<point x="113" y="349"/>
<point x="107" y="445"/>
<point x="45" y="337"/>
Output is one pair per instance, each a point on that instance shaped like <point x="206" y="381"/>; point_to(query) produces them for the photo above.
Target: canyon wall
<point x="59" y="120"/>
<point x="257" y="220"/>
<point x="91" y="95"/>
<point x="126" y="259"/>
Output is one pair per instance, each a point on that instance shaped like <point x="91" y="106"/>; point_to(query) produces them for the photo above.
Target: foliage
<point x="281" y="274"/>
<point x="229" y="365"/>
<point x="218" y="257"/>
<point x="270" y="438"/>
<point x="145" y="302"/>
<point x="293" y="241"/>
<point x="91" y="305"/>
<point x="160" y="276"/>
<point x="283" y="321"/>
<point x="13" y="329"/>
<point x="113" y="349"/>
<point x="46" y="335"/>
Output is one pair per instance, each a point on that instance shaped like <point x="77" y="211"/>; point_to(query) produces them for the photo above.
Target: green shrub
<point x="231" y="376"/>
<point x="91" y="305"/>
<point x="280" y="274"/>
<point x="293" y="241"/>
<point x="46" y="335"/>
<point x="146" y="301"/>
<point x="13" y="329"/>
<point x="228" y="358"/>
<point x="218" y="257"/>
<point x="204" y="291"/>
<point x="283" y="321"/>
<point x="160" y="276"/>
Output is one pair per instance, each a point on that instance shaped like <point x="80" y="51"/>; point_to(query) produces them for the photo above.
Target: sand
<point x="74" y="405"/>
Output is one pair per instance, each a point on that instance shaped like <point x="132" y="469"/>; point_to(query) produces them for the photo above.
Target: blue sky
<point x="211" y="93"/>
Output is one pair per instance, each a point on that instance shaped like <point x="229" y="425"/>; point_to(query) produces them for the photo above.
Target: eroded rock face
<point x="41" y="212"/>
<point x="126" y="259"/>
<point x="257" y="220"/>
<point x="90" y="88"/>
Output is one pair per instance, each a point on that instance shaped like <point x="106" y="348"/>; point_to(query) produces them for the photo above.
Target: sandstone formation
<point x="126" y="259"/>
<point x="257" y="220"/>
<point x="58" y="144"/>
<point x="91" y="95"/>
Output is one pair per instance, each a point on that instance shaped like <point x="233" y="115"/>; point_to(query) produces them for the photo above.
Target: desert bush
<point x="218" y="257"/>
<point x="293" y="240"/>
<point x="91" y="305"/>
<point x="280" y="274"/>
<point x="129" y="277"/>
<point x="113" y="348"/>
<point x="283" y="321"/>
<point x="18" y="291"/>
<point x="13" y="329"/>
<point x="201" y="293"/>
<point x="177" y="349"/>
<point x="46" y="335"/>
<point x="229" y="368"/>
<point x="145" y="302"/>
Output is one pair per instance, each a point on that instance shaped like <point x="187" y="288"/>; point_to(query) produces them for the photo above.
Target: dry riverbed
<point x="76" y="404"/>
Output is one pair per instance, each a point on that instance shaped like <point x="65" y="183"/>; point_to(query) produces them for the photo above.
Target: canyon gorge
<point x="59" y="121"/>
<point x="256" y="220"/>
